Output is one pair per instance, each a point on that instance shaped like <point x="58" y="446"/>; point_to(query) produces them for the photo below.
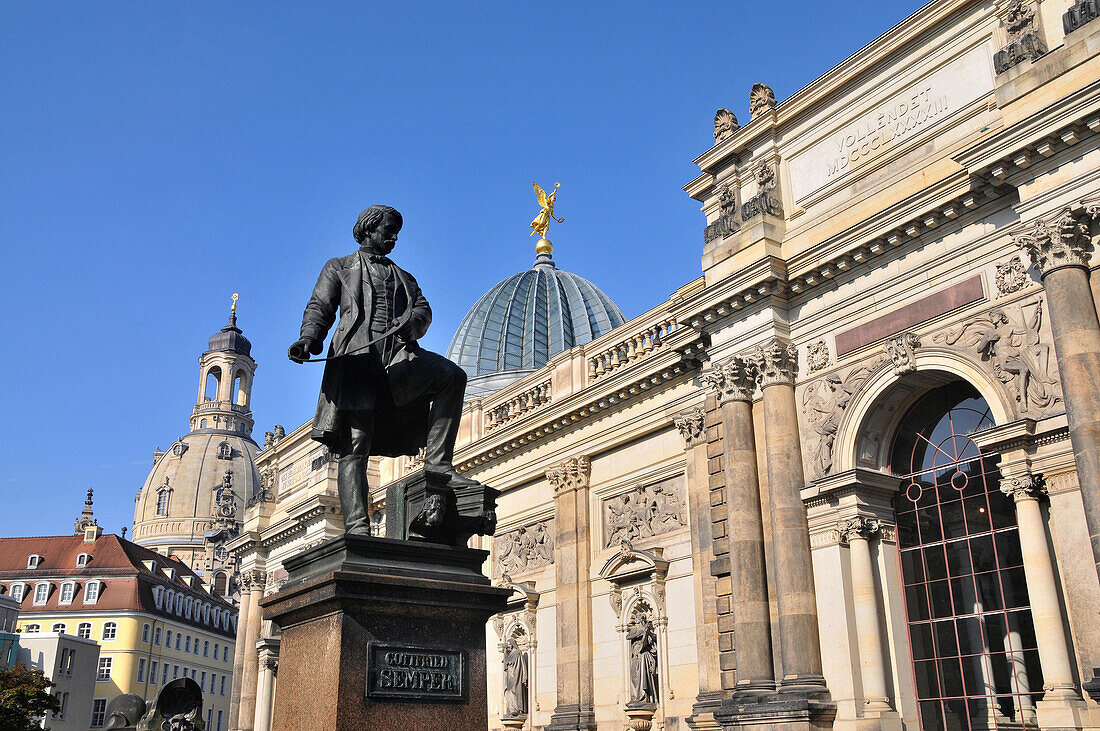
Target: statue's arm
<point x="320" y="311"/>
<point x="421" y="316"/>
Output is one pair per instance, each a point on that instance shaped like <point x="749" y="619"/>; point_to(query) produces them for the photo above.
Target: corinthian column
<point x="1059" y="249"/>
<point x="253" y="582"/>
<point x="734" y="383"/>
<point x="574" y="709"/>
<point x="1042" y="591"/>
<point x="239" y="653"/>
<point x="800" y="645"/>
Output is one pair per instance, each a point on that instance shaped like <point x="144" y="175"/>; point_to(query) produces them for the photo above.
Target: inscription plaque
<point x="396" y="672"/>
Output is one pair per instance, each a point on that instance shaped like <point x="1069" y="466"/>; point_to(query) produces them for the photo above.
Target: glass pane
<point x="981" y="552"/>
<point x="1008" y="549"/>
<point x="928" y="685"/>
<point x="1015" y="587"/>
<point x="920" y="640"/>
<point x="958" y="558"/>
<point x="935" y="563"/>
<point x="962" y="595"/>
<point x="989" y="592"/>
<point x="954" y="524"/>
<point x="912" y="567"/>
<point x="946" y="644"/>
<point x="977" y="514"/>
<point x="971" y="635"/>
<point x="916" y="602"/>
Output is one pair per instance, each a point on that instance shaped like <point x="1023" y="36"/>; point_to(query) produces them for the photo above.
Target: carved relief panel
<point x="644" y="512"/>
<point x="525" y="549"/>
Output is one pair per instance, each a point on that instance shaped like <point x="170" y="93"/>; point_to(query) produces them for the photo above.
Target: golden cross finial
<point x="233" y="309"/>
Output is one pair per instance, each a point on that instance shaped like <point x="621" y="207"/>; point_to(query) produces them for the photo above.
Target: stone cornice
<point x="856" y="481"/>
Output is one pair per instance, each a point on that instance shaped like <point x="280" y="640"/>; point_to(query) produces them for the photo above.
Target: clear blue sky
<point x="156" y="157"/>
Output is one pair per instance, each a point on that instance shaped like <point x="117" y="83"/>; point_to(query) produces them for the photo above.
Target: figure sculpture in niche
<point x="643" y="662"/>
<point x="515" y="681"/>
<point x="381" y="393"/>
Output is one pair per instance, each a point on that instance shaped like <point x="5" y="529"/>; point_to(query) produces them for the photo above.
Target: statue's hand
<point x="302" y="349"/>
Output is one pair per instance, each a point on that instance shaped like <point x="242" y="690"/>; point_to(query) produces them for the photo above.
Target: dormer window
<point x="162" y="503"/>
<point x="225" y="451"/>
<point x="34" y="561"/>
<point x="92" y="590"/>
<point x="68" y="589"/>
<point x="18" y="589"/>
<point x="83" y="559"/>
<point x="158" y="596"/>
<point x="178" y="449"/>
<point x="41" y="592"/>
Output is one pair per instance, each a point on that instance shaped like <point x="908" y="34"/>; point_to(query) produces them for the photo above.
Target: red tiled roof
<point x="127" y="582"/>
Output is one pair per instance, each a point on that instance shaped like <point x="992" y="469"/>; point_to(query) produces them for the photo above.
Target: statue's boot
<point x="351" y="481"/>
<point x="444" y="417"/>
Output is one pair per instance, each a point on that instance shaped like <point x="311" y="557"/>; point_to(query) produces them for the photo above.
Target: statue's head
<point x="378" y="226"/>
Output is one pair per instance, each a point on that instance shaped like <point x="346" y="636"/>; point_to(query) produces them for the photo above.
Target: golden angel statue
<point x="542" y="221"/>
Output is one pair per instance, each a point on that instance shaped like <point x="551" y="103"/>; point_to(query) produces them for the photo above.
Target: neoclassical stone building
<point x="851" y="474"/>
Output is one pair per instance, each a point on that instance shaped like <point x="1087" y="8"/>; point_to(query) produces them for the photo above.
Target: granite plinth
<point x="789" y="711"/>
<point x="356" y="592"/>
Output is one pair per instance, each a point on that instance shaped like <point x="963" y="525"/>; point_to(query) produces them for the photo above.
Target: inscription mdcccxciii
<point x="397" y="672"/>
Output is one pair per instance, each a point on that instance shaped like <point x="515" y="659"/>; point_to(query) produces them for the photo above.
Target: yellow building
<point x="152" y="616"/>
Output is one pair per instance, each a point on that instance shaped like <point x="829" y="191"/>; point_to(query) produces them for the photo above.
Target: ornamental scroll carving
<point x="644" y="512"/>
<point x="817" y="356"/>
<point x="524" y="549"/>
<point x="732" y="380"/>
<point x="902" y="351"/>
<point x="1008" y="339"/>
<point x="777" y="362"/>
<point x="572" y="474"/>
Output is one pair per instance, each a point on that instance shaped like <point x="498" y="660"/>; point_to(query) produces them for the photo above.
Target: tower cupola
<point x="226" y="370"/>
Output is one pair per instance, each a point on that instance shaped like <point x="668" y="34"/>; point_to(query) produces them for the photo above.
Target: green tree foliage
<point x="24" y="695"/>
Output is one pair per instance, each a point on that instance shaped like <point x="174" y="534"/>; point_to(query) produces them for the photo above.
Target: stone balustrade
<point x="533" y="398"/>
<point x="639" y="345"/>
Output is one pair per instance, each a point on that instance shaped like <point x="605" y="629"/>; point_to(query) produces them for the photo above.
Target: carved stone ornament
<point x="902" y="351"/>
<point x="1009" y="340"/>
<point x="1025" y="42"/>
<point x="817" y="356"/>
<point x="761" y="99"/>
<point x="733" y="380"/>
<point x="1060" y="241"/>
<point x="1016" y="17"/>
<point x="765" y="177"/>
<point x="858" y="527"/>
<point x="572" y="474"/>
<point x="692" y="425"/>
<point x="1080" y="13"/>
<point x="726" y="224"/>
<point x="252" y="580"/>
<point x="777" y="361"/>
<point x="725" y="124"/>
<point x="1011" y="276"/>
<point x="823" y="404"/>
<point x="1024" y="487"/>
<point x="524" y="549"/>
<point x="644" y="512"/>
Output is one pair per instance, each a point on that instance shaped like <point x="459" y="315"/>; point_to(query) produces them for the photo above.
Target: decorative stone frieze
<point x="1059" y="241"/>
<point x="1024" y="487"/>
<point x="761" y="203"/>
<point x="777" y="362"/>
<point x="902" y="350"/>
<point x="761" y="99"/>
<point x="524" y="549"/>
<point x="858" y="527"/>
<point x="725" y="124"/>
<point x="644" y="512"/>
<point x="572" y="474"/>
<point x="817" y="356"/>
<point x="1009" y="340"/>
<point x="692" y="426"/>
<point x="1011" y="276"/>
<point x="732" y="380"/>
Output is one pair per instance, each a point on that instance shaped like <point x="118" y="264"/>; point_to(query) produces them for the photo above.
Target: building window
<point x="175" y="671"/>
<point x="225" y="654"/>
<point x="83" y="559"/>
<point x="145" y="633"/>
<point x="179" y="640"/>
<point x="62" y="698"/>
<point x="65" y="665"/>
<point x="221" y="583"/>
<point x="84" y="630"/>
<point x="67" y="591"/>
<point x="34" y="561"/>
<point x="17" y="590"/>
<point x="219" y="721"/>
<point x="32" y="628"/>
<point x="110" y="631"/>
<point x="153" y="667"/>
<point x="58" y="627"/>
<point x="187" y="644"/>
<point x="971" y="635"/>
<point x="41" y="592"/>
<point x="222" y="691"/>
<point x="215" y="650"/>
<point x="92" y="590"/>
<point x="164" y="674"/>
<point x="179" y="604"/>
<point x="206" y="648"/>
<point x="213" y="682"/>
<point x="192" y="673"/>
<point x="162" y="502"/>
<point x="168" y="638"/>
<point x="141" y="670"/>
<point x="202" y="679"/>
<point x="99" y="712"/>
<point x="210" y="718"/>
<point x="104" y="672"/>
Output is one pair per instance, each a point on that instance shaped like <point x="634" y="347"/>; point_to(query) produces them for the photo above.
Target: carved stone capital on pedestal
<point x="777" y="362"/>
<point x="572" y="474"/>
<point x="733" y="380"/>
<point x="252" y="580"/>
<point x="1062" y="240"/>
<point x="692" y="426"/>
<point x="1024" y="487"/>
<point x="858" y="527"/>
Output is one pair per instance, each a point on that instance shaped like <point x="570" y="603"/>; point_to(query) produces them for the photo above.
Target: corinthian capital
<point x="733" y="380"/>
<point x="572" y="474"/>
<point x="858" y="527"/>
<point x="777" y="362"/>
<point x="1024" y="487"/>
<point x="692" y="425"/>
<point x="252" y="580"/>
<point x="1060" y="241"/>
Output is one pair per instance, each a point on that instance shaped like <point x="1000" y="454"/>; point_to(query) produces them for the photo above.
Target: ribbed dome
<point x="525" y="320"/>
<point x="230" y="338"/>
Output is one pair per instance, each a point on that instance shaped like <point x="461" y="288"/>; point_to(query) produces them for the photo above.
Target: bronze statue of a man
<point x="381" y="394"/>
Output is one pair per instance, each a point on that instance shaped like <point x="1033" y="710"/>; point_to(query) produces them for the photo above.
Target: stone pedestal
<point x="383" y="633"/>
<point x="785" y="711"/>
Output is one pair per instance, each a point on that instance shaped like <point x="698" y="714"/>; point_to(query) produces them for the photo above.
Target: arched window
<point x="162" y="502"/>
<point x="240" y="392"/>
<point x="971" y="635"/>
<point x="32" y="628"/>
<point x="84" y="630"/>
<point x="58" y="627"/>
<point x="156" y="636"/>
<point x="110" y="630"/>
<point x="213" y="376"/>
<point x="202" y="423"/>
<point x="145" y="633"/>
<point x="221" y="583"/>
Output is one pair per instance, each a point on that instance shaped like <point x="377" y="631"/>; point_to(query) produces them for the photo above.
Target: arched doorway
<point x="971" y="636"/>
